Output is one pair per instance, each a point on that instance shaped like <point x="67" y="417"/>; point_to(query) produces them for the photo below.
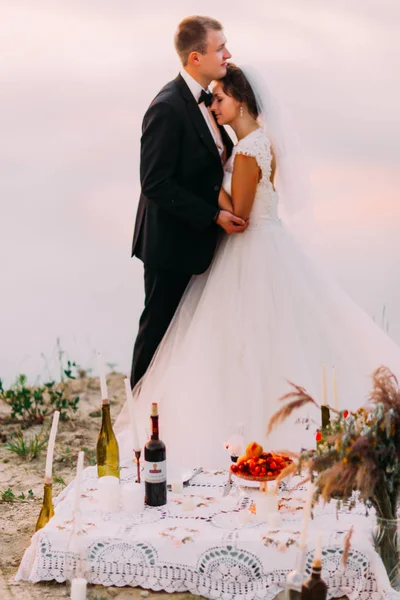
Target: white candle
<point x="76" y="508"/>
<point x="132" y="498"/>
<point x="78" y="477"/>
<point x="272" y="500"/>
<point x="324" y="389"/>
<point x="318" y="546"/>
<point x="306" y="515"/>
<point x="188" y="503"/>
<point x="50" y="447"/>
<point x="103" y="383"/>
<point x="177" y="486"/>
<point x="274" y="520"/>
<point x="108" y="487"/>
<point x="78" y="589"/>
<point x="131" y="407"/>
<point x="334" y="389"/>
<point x="266" y="503"/>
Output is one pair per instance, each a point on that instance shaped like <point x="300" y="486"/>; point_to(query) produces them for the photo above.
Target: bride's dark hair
<point x="236" y="86"/>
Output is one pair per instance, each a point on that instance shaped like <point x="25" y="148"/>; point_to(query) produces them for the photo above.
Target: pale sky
<point x="76" y="78"/>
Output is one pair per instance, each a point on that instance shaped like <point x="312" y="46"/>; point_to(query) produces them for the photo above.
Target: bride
<point x="262" y="315"/>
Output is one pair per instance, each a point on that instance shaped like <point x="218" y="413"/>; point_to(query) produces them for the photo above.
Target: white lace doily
<point x="203" y="550"/>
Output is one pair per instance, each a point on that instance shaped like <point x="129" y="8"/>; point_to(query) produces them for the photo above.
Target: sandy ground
<point x="18" y="519"/>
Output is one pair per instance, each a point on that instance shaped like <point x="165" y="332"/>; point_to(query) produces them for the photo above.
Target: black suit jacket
<point x="181" y="174"/>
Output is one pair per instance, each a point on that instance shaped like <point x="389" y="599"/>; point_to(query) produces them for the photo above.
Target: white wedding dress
<point x="261" y="315"/>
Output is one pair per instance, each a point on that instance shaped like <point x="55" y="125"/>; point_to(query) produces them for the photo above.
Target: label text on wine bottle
<point x="155" y="472"/>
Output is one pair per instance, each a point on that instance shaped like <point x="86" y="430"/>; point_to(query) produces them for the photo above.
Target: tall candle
<point x="318" y="546"/>
<point x="324" y="389"/>
<point x="306" y="515"/>
<point x="334" y="389"/>
<point x="131" y="407"/>
<point x="50" y="447"/>
<point x="103" y="383"/>
<point x="77" y="499"/>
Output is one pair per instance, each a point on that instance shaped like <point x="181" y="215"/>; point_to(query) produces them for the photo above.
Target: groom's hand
<point x="230" y="223"/>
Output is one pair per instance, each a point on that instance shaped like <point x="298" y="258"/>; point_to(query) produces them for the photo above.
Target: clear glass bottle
<point x="295" y="578"/>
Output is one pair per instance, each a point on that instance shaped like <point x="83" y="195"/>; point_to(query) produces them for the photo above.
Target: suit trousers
<point x="163" y="291"/>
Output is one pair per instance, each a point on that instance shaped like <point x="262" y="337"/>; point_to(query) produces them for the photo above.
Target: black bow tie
<point x="205" y="97"/>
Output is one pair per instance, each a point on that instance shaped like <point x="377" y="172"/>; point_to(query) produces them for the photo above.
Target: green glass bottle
<point x="325" y="417"/>
<point x="47" y="510"/>
<point x="107" y="446"/>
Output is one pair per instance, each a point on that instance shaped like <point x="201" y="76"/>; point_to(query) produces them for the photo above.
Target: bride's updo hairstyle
<point x="236" y="86"/>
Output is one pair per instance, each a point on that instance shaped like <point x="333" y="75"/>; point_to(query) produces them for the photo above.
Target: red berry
<point x="318" y="437"/>
<point x="345" y="414"/>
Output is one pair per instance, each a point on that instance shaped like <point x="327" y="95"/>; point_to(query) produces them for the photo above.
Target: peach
<point x="254" y="450"/>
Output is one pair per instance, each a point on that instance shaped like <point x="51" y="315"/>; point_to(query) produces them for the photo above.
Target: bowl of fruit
<point x="257" y="465"/>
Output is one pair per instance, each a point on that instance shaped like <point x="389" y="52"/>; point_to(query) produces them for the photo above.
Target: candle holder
<point x="137" y="456"/>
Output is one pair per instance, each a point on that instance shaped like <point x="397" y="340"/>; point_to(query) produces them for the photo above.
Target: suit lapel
<point x="197" y="118"/>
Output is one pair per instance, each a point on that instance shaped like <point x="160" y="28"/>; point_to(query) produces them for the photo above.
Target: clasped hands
<point x="231" y="223"/>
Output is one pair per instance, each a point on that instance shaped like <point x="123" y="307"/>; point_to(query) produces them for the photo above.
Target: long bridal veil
<point x="292" y="178"/>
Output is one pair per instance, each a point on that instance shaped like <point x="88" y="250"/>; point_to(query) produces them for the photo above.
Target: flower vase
<point x="387" y="545"/>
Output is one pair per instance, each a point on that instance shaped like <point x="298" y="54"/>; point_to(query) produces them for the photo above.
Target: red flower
<point x="345" y="414"/>
<point x="318" y="437"/>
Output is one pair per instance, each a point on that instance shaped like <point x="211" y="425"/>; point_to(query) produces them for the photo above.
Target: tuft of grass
<point x="9" y="496"/>
<point x="67" y="456"/>
<point x="27" y="448"/>
<point x="59" y="479"/>
<point x="95" y="414"/>
<point x="31" y="404"/>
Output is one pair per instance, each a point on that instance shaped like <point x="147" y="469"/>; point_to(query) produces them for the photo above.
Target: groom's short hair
<point x="191" y="36"/>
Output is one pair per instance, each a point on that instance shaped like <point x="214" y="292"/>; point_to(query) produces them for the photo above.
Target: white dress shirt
<point x="196" y="89"/>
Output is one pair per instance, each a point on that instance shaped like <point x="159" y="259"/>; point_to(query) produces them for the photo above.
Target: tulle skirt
<point x="263" y="315"/>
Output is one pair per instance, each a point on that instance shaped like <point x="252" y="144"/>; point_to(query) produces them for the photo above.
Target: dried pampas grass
<point x="347" y="546"/>
<point x="298" y="398"/>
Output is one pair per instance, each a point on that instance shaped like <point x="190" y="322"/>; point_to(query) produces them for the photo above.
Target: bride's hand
<point x="230" y="223"/>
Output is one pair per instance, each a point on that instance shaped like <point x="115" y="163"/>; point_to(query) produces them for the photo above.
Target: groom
<point x="181" y="172"/>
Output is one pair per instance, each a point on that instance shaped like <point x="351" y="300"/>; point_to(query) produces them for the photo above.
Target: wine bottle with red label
<point x="155" y="465"/>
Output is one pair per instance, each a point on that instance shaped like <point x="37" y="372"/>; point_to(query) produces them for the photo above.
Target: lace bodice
<point x="265" y="205"/>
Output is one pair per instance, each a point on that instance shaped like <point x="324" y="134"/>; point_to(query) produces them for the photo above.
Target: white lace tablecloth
<point x="206" y="550"/>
